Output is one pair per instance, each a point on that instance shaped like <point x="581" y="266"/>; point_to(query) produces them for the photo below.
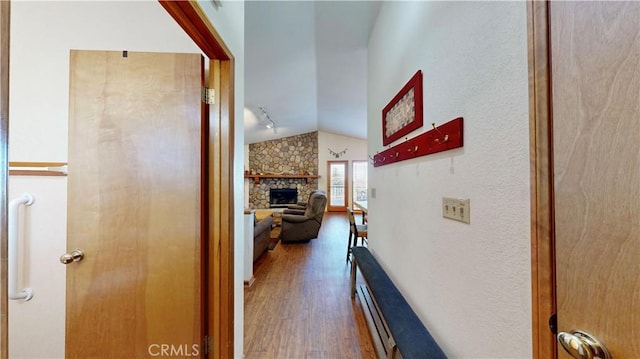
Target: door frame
<point x="347" y="200"/>
<point x="543" y="287"/>
<point x="219" y="175"/>
<point x="5" y="10"/>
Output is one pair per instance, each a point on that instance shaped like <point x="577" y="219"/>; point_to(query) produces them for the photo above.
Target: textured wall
<point x="289" y="155"/>
<point x="469" y="283"/>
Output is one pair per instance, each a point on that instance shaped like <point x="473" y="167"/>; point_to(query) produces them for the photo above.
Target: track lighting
<point x="269" y="123"/>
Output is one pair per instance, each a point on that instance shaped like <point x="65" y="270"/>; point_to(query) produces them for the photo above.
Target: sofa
<point x="261" y="236"/>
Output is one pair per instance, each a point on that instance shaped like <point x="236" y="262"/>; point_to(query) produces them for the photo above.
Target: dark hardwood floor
<point x="299" y="305"/>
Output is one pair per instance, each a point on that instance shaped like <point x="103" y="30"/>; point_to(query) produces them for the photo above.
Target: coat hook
<point x="445" y="138"/>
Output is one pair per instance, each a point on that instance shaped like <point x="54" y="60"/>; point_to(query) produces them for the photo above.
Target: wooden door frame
<point x="5" y="9"/>
<point x="346" y="185"/>
<point x="542" y="197"/>
<point x="218" y="175"/>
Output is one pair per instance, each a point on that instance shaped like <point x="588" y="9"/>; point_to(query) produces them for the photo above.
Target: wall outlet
<point x="456" y="209"/>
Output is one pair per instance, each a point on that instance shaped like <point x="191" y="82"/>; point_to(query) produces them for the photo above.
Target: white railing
<point x="14" y="207"/>
<point x="337" y="195"/>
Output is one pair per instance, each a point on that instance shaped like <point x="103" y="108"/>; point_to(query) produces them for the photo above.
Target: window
<point x="359" y="180"/>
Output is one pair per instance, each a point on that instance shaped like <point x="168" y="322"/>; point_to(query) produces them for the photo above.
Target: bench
<point x="395" y="328"/>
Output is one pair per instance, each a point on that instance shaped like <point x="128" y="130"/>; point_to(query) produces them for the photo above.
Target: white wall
<point x="469" y="283"/>
<point x="356" y="150"/>
<point x="42" y="33"/>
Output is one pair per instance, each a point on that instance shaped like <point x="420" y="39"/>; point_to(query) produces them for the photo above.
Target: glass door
<point x="338" y="190"/>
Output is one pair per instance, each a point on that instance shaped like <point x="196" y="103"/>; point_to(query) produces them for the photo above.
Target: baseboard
<point x="249" y="283"/>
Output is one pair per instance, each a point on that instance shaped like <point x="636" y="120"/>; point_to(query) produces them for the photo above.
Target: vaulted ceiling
<point x="306" y="66"/>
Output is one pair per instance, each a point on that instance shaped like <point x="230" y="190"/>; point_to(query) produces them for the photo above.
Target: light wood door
<point x="134" y="205"/>
<point x="338" y="188"/>
<point x="595" y="60"/>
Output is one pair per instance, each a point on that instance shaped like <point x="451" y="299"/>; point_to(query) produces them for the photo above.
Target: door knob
<point x="582" y="345"/>
<point x="76" y="255"/>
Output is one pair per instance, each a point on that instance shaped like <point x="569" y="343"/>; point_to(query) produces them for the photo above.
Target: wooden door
<point x="338" y="188"/>
<point x="134" y="205"/>
<point x="595" y="61"/>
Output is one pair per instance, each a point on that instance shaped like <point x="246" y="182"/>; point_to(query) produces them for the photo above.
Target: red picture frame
<point x="403" y="114"/>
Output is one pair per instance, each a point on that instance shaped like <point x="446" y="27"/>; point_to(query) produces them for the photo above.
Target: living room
<point x="296" y="165"/>
<point x="305" y="155"/>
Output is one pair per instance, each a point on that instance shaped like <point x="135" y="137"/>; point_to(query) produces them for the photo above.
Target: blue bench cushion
<point x="412" y="338"/>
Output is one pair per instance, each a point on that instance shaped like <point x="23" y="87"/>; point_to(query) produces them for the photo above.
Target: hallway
<point x="299" y="306"/>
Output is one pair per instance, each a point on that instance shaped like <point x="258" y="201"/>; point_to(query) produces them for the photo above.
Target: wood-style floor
<point x="299" y="305"/>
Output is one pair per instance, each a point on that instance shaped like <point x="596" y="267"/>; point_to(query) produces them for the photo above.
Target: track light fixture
<point x="269" y="123"/>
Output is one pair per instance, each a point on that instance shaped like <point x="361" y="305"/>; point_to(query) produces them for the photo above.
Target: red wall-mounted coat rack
<point x="442" y="138"/>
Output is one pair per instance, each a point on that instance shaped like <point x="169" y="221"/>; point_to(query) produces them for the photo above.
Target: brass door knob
<point x="76" y="255"/>
<point x="582" y="345"/>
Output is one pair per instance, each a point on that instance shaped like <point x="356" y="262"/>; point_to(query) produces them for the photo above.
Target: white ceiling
<point x="306" y="65"/>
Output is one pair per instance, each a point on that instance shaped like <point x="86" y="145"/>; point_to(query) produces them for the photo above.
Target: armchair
<point x="304" y="227"/>
<point x="300" y="207"/>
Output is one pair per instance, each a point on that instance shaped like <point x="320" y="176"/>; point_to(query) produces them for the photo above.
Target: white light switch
<point x="456" y="209"/>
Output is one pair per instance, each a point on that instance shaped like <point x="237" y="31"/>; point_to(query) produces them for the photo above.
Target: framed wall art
<point x="404" y="113"/>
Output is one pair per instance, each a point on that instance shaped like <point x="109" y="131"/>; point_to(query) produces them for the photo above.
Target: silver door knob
<point x="582" y="345"/>
<point x="76" y="255"/>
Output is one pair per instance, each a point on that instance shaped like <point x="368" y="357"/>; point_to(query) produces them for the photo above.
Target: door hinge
<point x="207" y="345"/>
<point x="553" y="323"/>
<point x="208" y="96"/>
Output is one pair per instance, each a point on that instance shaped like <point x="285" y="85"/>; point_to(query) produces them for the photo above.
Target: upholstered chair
<point x="300" y="207"/>
<point x="304" y="227"/>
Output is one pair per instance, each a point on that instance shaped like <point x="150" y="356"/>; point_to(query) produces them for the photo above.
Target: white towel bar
<point x="14" y="205"/>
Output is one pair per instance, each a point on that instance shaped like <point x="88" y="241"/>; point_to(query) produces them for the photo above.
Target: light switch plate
<point x="457" y="209"/>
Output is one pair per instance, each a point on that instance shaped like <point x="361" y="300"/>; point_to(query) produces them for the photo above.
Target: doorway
<point x="338" y="188"/>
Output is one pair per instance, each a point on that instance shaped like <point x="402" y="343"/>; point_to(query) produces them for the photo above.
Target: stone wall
<point x="289" y="155"/>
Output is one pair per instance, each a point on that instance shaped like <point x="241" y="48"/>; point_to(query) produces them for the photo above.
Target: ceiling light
<point x="265" y="116"/>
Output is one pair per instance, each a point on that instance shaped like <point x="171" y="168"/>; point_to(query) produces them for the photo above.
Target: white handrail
<point x="14" y="205"/>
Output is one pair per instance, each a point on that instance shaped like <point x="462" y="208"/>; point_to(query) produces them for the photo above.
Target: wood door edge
<point x="541" y="157"/>
<point x="5" y="10"/>
<point x="220" y="239"/>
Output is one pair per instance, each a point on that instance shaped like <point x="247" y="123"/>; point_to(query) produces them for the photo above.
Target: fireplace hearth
<point x="282" y="197"/>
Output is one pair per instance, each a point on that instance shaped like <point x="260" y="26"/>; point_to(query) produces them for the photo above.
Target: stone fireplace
<point x="295" y="155"/>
